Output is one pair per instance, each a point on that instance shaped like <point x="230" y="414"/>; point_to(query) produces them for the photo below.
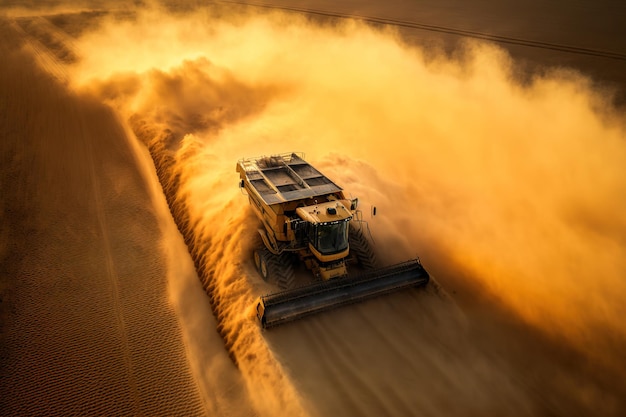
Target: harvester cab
<point x="327" y="227"/>
<point x="305" y="216"/>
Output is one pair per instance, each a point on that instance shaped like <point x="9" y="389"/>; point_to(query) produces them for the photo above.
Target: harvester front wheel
<point x="283" y="271"/>
<point x="275" y="269"/>
<point x="361" y="249"/>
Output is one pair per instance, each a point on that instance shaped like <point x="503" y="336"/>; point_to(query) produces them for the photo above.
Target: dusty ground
<point x="103" y="313"/>
<point x="87" y="323"/>
<point x="89" y="328"/>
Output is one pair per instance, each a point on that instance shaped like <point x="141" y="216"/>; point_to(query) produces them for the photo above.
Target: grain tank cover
<point x="285" y="177"/>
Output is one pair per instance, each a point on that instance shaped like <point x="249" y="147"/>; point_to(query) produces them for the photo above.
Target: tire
<point x="361" y="249"/>
<point x="275" y="269"/>
<point x="284" y="274"/>
<point x="264" y="270"/>
<point x="257" y="259"/>
<point x="261" y="263"/>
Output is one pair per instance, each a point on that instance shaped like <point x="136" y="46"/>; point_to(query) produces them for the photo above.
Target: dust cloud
<point x="511" y="192"/>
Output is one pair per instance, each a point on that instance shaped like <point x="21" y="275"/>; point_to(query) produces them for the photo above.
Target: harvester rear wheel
<point x="261" y="263"/>
<point x="360" y="247"/>
<point x="257" y="259"/>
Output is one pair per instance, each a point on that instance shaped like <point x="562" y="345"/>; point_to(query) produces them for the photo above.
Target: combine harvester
<point x="306" y="217"/>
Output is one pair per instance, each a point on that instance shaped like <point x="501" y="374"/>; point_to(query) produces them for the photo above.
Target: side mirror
<point x="241" y="184"/>
<point x="373" y="211"/>
<point x="354" y="203"/>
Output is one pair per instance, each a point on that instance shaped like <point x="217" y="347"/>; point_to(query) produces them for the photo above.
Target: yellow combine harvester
<point x="307" y="217"/>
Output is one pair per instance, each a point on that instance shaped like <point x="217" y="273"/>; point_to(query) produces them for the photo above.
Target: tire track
<point x="44" y="56"/>
<point x="111" y="272"/>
